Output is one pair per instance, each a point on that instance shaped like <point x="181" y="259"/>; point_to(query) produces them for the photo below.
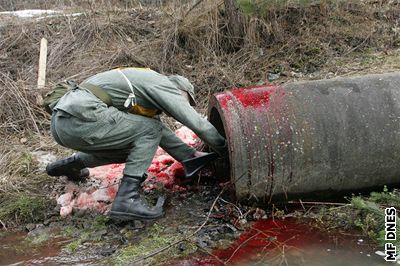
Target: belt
<point x="106" y="98"/>
<point x="98" y="92"/>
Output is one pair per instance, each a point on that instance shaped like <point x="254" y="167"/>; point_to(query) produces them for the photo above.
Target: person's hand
<point x="222" y="150"/>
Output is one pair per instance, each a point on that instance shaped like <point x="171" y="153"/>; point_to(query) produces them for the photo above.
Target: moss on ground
<point x="75" y="244"/>
<point x="23" y="207"/>
<point x="87" y="230"/>
<point x="23" y="199"/>
<point x="40" y="239"/>
<point x="156" y="238"/>
<point x="25" y="188"/>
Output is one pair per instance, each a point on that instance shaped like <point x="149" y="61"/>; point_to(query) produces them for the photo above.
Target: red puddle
<point x="290" y="242"/>
<point x="104" y="180"/>
<point x="269" y="235"/>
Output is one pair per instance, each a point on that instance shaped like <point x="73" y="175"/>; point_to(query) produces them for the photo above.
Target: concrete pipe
<point x="308" y="137"/>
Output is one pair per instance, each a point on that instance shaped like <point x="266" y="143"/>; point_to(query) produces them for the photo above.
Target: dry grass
<point x="193" y="40"/>
<point x="19" y="109"/>
<point x="24" y="189"/>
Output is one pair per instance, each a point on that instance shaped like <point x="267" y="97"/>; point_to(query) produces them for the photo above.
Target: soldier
<point x="113" y="117"/>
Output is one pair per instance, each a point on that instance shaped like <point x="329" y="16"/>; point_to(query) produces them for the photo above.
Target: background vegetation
<point x="289" y="39"/>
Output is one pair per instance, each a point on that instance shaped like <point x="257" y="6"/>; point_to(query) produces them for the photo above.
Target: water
<point x="16" y="250"/>
<point x="266" y="242"/>
<point x="290" y="242"/>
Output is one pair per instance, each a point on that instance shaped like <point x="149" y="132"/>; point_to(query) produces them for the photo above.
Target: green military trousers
<point x="105" y="135"/>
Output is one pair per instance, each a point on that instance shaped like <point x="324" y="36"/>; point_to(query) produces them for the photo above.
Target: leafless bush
<point x="191" y="39"/>
<point x="19" y="110"/>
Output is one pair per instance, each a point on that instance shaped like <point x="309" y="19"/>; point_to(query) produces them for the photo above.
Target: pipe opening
<point x="221" y="166"/>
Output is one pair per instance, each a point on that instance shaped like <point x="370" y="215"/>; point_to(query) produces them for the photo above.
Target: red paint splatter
<point x="223" y="100"/>
<point x="255" y="96"/>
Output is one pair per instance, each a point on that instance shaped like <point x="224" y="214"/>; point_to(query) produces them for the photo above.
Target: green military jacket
<point x="154" y="90"/>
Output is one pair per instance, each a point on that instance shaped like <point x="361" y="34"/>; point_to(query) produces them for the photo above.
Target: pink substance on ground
<point x="104" y="180"/>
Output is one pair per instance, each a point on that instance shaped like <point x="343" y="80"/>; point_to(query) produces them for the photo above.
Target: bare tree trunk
<point x="235" y="22"/>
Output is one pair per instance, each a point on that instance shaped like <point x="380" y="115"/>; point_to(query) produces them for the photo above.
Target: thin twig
<point x="236" y="207"/>
<point x="302" y="205"/>
<point x="193" y="7"/>
<point x="318" y="203"/>
<point x="241" y="245"/>
<point x="309" y="210"/>
<point x="3" y="224"/>
<point x="212" y="255"/>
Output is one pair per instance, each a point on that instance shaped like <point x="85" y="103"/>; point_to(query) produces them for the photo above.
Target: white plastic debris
<point x="380" y="253"/>
<point x="29" y="13"/>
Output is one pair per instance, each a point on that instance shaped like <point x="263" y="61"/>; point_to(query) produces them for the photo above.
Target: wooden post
<point x="42" y="64"/>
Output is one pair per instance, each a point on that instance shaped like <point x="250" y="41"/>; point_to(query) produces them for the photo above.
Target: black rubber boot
<point x="128" y="205"/>
<point x="71" y="167"/>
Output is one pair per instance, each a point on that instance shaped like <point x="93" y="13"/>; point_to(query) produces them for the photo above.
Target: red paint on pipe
<point x="223" y="100"/>
<point x="252" y="96"/>
<point x="254" y="119"/>
<point x="255" y="96"/>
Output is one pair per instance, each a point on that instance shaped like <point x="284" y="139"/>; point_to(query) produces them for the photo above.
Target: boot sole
<point x="122" y="216"/>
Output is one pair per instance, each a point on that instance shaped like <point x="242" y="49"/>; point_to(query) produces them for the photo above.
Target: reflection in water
<point x="44" y="249"/>
<point x="16" y="250"/>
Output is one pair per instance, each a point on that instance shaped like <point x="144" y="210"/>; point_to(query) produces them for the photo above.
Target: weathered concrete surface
<point x="305" y="137"/>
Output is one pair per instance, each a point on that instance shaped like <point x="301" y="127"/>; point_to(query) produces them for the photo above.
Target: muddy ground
<point x="189" y="234"/>
<point x="93" y="239"/>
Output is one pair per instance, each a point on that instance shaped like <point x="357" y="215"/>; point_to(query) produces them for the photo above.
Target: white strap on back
<point x="127" y="80"/>
<point x="131" y="100"/>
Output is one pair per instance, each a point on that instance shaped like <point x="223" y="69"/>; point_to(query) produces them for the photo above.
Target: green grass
<point x="155" y="240"/>
<point x="100" y="222"/>
<point x="69" y="231"/>
<point x="40" y="239"/>
<point x="23" y="207"/>
<point x="366" y="214"/>
<point x="23" y="198"/>
<point x="371" y="219"/>
<point x="91" y="230"/>
<point x="74" y="245"/>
